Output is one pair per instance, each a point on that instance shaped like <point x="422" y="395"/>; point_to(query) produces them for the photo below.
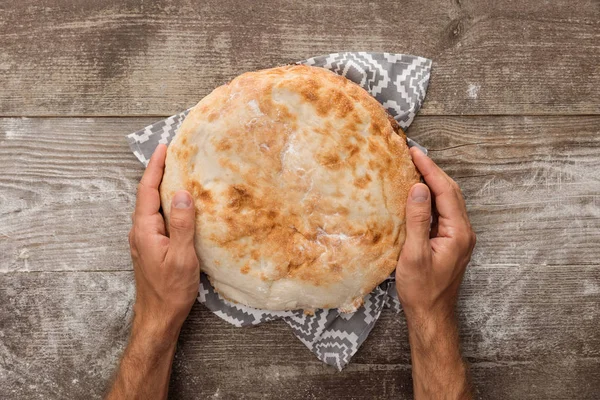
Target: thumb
<point x="182" y="220"/>
<point x="418" y="218"/>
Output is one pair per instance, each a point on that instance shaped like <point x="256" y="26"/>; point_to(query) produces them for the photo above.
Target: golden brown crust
<point x="300" y="180"/>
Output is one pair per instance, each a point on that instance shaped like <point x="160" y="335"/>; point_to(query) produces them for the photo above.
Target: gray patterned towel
<point x="399" y="82"/>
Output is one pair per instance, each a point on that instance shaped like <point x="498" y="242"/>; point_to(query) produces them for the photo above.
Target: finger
<point x="182" y="224"/>
<point x="154" y="171"/>
<point x="448" y="199"/>
<point x="418" y="219"/>
<point x="148" y="198"/>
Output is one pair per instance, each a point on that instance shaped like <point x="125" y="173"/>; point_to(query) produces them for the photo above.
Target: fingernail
<point x="418" y="149"/>
<point x="419" y="194"/>
<point x="182" y="200"/>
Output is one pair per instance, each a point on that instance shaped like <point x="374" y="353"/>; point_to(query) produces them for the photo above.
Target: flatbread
<point x="300" y="180"/>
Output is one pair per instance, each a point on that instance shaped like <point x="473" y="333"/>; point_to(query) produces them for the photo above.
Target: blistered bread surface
<point x="300" y="180"/>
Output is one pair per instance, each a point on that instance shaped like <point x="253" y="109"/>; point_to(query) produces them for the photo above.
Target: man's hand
<point x="167" y="275"/>
<point x="428" y="276"/>
<point x="167" y="271"/>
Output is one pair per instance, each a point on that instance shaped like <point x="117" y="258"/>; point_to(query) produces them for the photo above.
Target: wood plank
<point x="67" y="193"/>
<point x="532" y="335"/>
<point x="531" y="184"/>
<point x="561" y="380"/>
<point x="131" y="58"/>
<point x="68" y="188"/>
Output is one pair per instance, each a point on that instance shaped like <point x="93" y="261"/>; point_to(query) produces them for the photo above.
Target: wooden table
<point x="512" y="113"/>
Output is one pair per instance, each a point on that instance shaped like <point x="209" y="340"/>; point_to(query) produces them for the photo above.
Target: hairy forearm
<point x="146" y="365"/>
<point x="438" y="369"/>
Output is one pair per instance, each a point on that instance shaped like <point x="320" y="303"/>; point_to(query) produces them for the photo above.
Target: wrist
<point x="431" y="330"/>
<point x="437" y="364"/>
<point x="153" y="341"/>
<point x="155" y="331"/>
<point x="435" y="314"/>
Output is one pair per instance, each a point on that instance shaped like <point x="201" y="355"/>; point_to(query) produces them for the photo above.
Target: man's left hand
<point x="167" y="271"/>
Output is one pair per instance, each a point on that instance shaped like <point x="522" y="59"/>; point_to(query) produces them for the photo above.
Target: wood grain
<point x="531" y="185"/>
<point x="66" y="194"/>
<point x="528" y="331"/>
<point x="63" y="57"/>
<point x="512" y="114"/>
<point x="529" y="307"/>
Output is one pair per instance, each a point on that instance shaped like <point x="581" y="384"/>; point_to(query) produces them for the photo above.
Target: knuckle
<point x="413" y="255"/>
<point x="473" y="239"/>
<point x="455" y="186"/>
<point x="139" y="237"/>
<point x="463" y="239"/>
<point x="180" y="223"/>
<point x="421" y="215"/>
<point x="186" y="260"/>
<point x="450" y="184"/>
<point x="192" y="262"/>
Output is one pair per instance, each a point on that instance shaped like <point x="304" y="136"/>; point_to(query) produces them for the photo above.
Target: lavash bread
<point x="300" y="180"/>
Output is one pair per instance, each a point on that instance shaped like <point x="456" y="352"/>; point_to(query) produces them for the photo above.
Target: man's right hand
<point x="432" y="263"/>
<point x="428" y="276"/>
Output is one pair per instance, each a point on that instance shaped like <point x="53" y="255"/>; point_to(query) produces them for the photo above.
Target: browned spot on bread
<point x="239" y="197"/>
<point x="245" y="269"/>
<point x="223" y="144"/>
<point x="356" y="118"/>
<point x="308" y="90"/>
<point x="308" y="275"/>
<point x="330" y="160"/>
<point x="374" y="146"/>
<point x="352" y="149"/>
<point x="343" y="211"/>
<point x="312" y="93"/>
<point x="335" y="268"/>
<point x="378" y="126"/>
<point x="212" y="116"/>
<point x="284" y="114"/>
<point x="265" y="102"/>
<point x="227" y="163"/>
<point x="198" y="192"/>
<point x="376" y="237"/>
<point x="362" y="182"/>
<point x="341" y="104"/>
<point x="388" y="230"/>
<point x="182" y="153"/>
<point x="350" y="129"/>
<point x="360" y="139"/>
